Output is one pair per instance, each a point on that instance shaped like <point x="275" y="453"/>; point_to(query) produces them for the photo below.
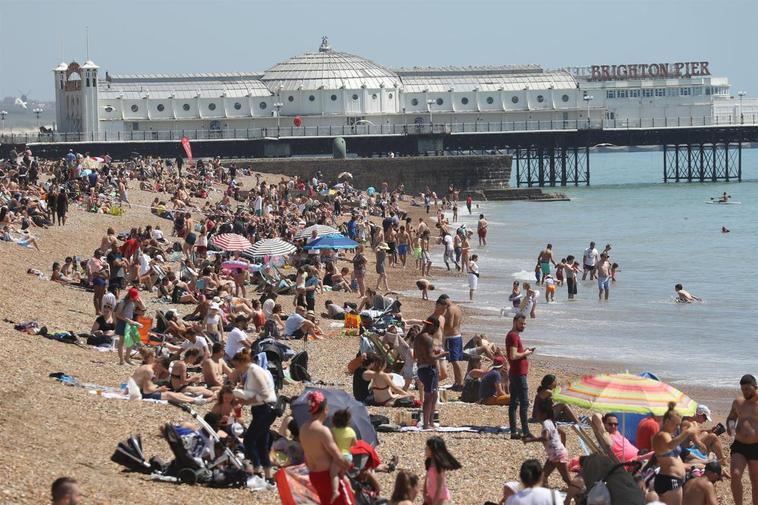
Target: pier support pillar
<point x="277" y="149"/>
<point x="552" y="166"/>
<point x="714" y="162"/>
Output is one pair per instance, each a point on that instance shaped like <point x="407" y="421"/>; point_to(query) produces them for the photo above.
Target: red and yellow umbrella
<point x="624" y="392"/>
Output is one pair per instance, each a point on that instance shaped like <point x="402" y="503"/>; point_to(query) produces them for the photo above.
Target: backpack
<point x="299" y="367"/>
<point x="470" y="393"/>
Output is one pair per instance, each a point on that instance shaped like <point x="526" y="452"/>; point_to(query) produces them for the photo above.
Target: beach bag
<point x="470" y="393"/>
<point x="98" y="340"/>
<point x="131" y="336"/>
<point x="299" y="367"/>
<point x="599" y="493"/>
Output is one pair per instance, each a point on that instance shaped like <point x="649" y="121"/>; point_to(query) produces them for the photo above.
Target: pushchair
<point x="189" y="465"/>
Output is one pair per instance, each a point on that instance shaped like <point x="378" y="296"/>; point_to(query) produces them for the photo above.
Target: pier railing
<point x="9" y="137"/>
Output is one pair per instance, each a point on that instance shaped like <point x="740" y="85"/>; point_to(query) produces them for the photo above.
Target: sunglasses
<point x="612" y="424"/>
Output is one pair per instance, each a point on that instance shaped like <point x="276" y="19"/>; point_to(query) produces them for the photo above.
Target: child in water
<point x="614" y="268"/>
<point x="538" y="273"/>
<point x="550" y="284"/>
<point x="559" y="271"/>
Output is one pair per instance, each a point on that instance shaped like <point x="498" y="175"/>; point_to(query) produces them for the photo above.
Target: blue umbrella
<point x="332" y="242"/>
<point x="337" y="399"/>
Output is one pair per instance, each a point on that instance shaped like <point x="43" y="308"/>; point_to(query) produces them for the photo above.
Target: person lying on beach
<point x="424" y="286"/>
<point x="152" y="367"/>
<point x="25" y="240"/>
<point x="684" y="296"/>
<point x="180" y="383"/>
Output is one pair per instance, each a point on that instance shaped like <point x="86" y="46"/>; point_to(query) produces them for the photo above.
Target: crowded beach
<point x="284" y="337"/>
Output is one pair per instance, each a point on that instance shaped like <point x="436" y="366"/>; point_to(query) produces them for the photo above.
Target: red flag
<point x="187" y="148"/>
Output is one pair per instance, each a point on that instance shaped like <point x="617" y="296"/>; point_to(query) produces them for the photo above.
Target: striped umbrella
<point x="270" y="247"/>
<point x="321" y="230"/>
<point x="231" y="242"/>
<point x="624" y="392"/>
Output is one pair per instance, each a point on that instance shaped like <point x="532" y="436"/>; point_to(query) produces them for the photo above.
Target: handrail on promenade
<point x="377" y="130"/>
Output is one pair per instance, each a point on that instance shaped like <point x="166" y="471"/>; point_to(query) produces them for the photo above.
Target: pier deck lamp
<point x="37" y="111"/>
<point x="278" y="106"/>
<point x="741" y="94"/>
<point x="429" y="104"/>
<point x="588" y="99"/>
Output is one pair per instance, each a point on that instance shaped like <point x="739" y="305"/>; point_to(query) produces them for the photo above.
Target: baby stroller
<point x="188" y="466"/>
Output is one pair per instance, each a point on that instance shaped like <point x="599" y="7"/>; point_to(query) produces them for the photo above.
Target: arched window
<point x="160" y="107"/>
<point x="414" y="101"/>
<point x="565" y="98"/>
<point x="211" y="106"/>
<point x="540" y="98"/>
<point x="514" y="99"/>
<point x="237" y="106"/>
<point x="440" y="101"/>
<point x="334" y="98"/>
<point x="312" y="98"/>
<point x="186" y="106"/>
<point x="135" y="108"/>
<point x="464" y="100"/>
<point x="490" y="100"/>
<point x="263" y="105"/>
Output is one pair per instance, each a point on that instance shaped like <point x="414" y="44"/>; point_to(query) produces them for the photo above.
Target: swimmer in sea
<point x="685" y="296"/>
<point x="724" y="229"/>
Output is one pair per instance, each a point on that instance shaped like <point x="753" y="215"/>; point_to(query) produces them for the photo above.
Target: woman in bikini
<point x="668" y="482"/>
<point x="384" y="391"/>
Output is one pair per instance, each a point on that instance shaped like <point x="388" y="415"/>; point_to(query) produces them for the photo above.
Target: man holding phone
<point x="707" y="439"/>
<point x="517" y="374"/>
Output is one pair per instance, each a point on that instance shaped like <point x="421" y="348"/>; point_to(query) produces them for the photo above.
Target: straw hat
<point x="383" y="245"/>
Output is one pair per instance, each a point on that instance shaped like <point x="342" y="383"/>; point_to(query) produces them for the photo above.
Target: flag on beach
<point x="187" y="148"/>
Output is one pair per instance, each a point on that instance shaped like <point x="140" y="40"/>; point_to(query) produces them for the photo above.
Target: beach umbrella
<point x="321" y="230"/>
<point x="626" y="393"/>
<point x="231" y="242"/>
<point x="337" y="399"/>
<point x="91" y="163"/>
<point x="332" y="242"/>
<point x="270" y="247"/>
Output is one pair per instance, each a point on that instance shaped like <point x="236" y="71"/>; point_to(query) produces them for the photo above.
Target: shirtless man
<point x="706" y="439"/>
<point x="481" y="230"/>
<point x="143" y="377"/>
<point x="544" y="259"/>
<point x="427" y="355"/>
<point x="422" y="227"/>
<point x="702" y="490"/>
<point x="684" y="295"/>
<point x="603" y="270"/>
<point x="321" y="453"/>
<point x="742" y="422"/>
<point x="215" y="368"/>
<point x="453" y="341"/>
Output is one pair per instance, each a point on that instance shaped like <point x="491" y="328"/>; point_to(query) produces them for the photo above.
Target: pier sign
<point x="649" y="71"/>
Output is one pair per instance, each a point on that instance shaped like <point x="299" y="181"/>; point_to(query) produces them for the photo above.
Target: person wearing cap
<point x="237" y="339"/>
<point x="742" y="423"/>
<point x="297" y="326"/>
<point x="706" y="440"/>
<point x="124" y="314"/>
<point x="214" y="322"/>
<point x="381" y="260"/>
<point x="493" y="385"/>
<point x="322" y="453"/>
<point x="702" y="490"/>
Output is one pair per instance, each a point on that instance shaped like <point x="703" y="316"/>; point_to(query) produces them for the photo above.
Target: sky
<point x="169" y="36"/>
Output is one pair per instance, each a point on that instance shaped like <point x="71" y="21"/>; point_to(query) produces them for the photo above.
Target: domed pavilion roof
<point x="328" y="69"/>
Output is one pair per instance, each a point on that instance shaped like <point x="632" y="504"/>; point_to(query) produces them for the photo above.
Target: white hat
<point x="703" y="410"/>
<point x="215" y="306"/>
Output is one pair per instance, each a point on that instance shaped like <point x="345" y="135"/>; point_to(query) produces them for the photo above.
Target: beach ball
<point x="297" y="121"/>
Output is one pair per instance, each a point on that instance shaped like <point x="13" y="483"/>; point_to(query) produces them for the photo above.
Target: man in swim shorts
<point x="426" y="358"/>
<point x="742" y="422"/>
<point x="481" y="230"/>
<point x="321" y="452"/>
<point x="544" y="259"/>
<point x="452" y="339"/>
<point x="603" y="269"/>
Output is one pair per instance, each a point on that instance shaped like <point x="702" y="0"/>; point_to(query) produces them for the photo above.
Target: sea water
<point x="661" y="234"/>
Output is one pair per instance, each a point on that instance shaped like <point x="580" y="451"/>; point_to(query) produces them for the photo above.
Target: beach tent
<point x="332" y="242"/>
<point x="270" y="247"/>
<point x="320" y="229"/>
<point x="231" y="242"/>
<point x="337" y="399"/>
<point x="625" y="393"/>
